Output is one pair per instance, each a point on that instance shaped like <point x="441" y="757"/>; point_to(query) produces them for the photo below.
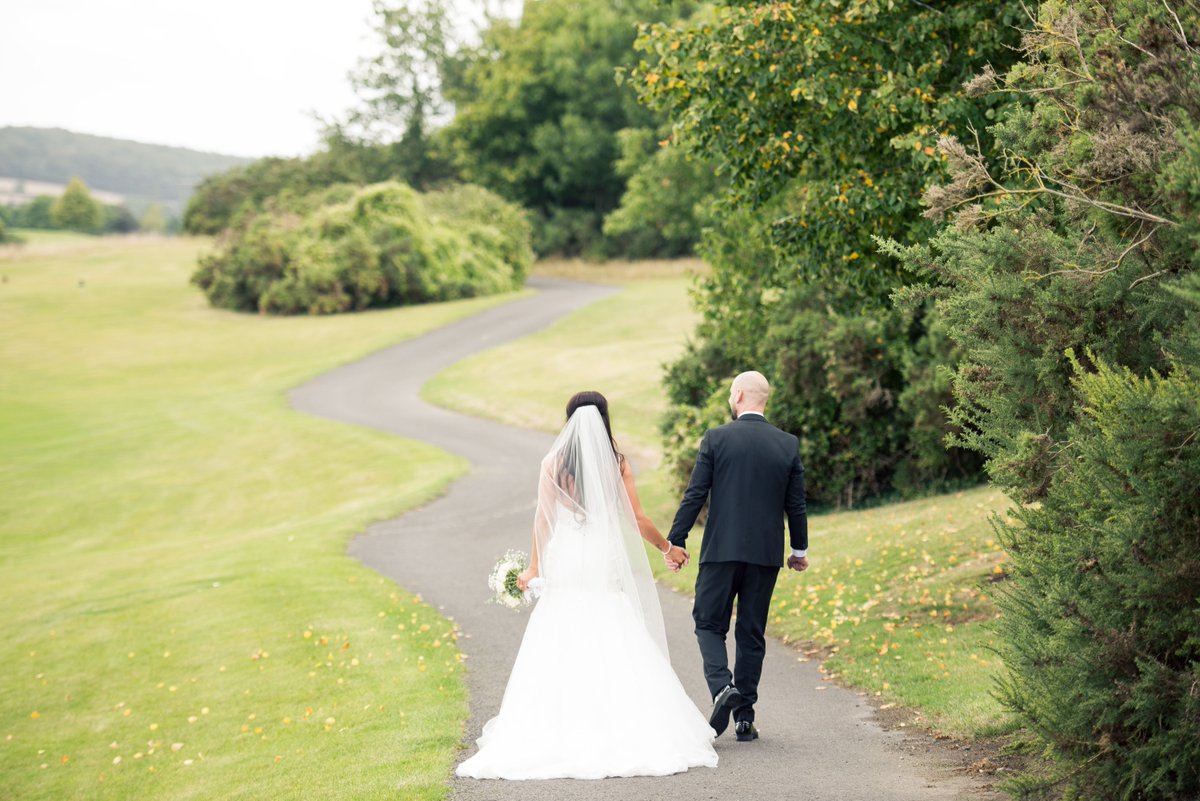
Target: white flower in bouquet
<point x="503" y="581"/>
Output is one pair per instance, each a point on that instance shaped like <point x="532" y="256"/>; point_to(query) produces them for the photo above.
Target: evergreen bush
<point x="1101" y="626"/>
<point x="1068" y="279"/>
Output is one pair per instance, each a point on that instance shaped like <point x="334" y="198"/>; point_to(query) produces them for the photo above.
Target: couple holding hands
<point x="592" y="693"/>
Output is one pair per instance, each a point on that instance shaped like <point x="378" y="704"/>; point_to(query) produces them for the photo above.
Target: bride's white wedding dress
<point x="592" y="693"/>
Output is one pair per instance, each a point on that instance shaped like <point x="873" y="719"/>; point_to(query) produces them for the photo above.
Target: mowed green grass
<point x="33" y="236"/>
<point x="181" y="619"/>
<point x="617" y="346"/>
<point x="897" y="598"/>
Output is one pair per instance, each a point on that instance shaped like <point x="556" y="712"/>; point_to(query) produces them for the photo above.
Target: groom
<point x="750" y="473"/>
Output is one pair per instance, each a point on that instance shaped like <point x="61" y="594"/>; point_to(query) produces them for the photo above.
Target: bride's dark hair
<point x="569" y="459"/>
<point x="592" y="398"/>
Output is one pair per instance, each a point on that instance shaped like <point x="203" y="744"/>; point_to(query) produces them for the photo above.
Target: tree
<point x="838" y="110"/>
<point x="77" y="210"/>
<point x="401" y="87"/>
<point x="666" y="199"/>
<point x="824" y="121"/>
<point x="153" y="219"/>
<point x="402" y="96"/>
<point x="119" y="220"/>
<point x="1068" y="278"/>
<point x="221" y="199"/>
<point x="35" y="214"/>
<point x="538" y="111"/>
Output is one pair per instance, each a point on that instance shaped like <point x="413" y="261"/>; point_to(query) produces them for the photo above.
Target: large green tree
<point x="666" y="201"/>
<point x="77" y="210"/>
<point x="401" y="93"/>
<point x="400" y="88"/>
<point x="825" y="120"/>
<point x="1068" y="278"/>
<point x="537" y="111"/>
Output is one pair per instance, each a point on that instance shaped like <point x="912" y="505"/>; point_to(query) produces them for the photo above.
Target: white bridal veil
<point x="585" y="533"/>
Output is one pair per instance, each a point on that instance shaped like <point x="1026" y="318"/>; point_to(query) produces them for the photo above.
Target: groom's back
<point x="754" y="465"/>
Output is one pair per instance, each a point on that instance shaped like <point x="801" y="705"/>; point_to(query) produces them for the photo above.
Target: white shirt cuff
<point x="800" y="554"/>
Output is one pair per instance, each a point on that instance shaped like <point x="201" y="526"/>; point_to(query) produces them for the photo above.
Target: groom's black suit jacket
<point x="750" y="472"/>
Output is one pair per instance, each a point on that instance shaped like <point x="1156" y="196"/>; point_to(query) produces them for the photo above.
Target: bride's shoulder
<point x="624" y="466"/>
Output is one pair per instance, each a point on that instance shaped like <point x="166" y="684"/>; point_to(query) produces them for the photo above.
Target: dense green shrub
<point x="861" y="389"/>
<point x="928" y="462"/>
<point x="1102" y="625"/>
<point x="120" y="220"/>
<point x="569" y="231"/>
<point x="347" y="249"/>
<point x="1068" y="280"/>
<point x="219" y="200"/>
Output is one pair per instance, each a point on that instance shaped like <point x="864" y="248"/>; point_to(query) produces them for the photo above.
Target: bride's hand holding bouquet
<point x="528" y="575"/>
<point x="513" y="581"/>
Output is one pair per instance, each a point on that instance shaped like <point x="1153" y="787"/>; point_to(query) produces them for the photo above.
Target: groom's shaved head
<point x="754" y="389"/>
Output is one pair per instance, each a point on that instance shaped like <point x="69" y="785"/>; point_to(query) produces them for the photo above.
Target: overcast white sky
<point x="230" y="76"/>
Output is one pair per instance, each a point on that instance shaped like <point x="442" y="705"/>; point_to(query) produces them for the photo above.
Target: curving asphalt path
<point x="819" y="742"/>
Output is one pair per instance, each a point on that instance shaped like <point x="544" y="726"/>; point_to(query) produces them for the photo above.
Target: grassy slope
<point x="181" y="619"/>
<point x="896" y="596"/>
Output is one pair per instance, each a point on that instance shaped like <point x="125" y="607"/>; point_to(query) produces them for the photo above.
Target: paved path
<point x="815" y="744"/>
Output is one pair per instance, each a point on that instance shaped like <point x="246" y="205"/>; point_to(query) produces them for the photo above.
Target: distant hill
<point x="139" y="173"/>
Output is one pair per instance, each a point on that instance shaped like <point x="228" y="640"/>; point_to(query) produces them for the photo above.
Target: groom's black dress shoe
<point x="723" y="705"/>
<point x="745" y="731"/>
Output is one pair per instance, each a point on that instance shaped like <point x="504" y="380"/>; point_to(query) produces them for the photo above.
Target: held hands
<point x="676" y="558"/>
<point x="798" y="563"/>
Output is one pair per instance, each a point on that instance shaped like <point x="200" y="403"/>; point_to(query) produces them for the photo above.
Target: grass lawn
<point x="897" y="597"/>
<point x="181" y="618"/>
<point x="37" y="237"/>
<point x="617" y="346"/>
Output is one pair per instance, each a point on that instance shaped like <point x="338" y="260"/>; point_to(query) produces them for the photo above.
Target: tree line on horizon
<point x="76" y="209"/>
<point x="141" y="173"/>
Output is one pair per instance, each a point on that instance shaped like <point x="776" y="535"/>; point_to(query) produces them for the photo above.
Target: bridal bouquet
<point x="503" y="581"/>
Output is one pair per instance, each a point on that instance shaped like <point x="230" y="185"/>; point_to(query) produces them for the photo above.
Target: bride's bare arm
<point x="646" y="527"/>
<point x="541" y="528"/>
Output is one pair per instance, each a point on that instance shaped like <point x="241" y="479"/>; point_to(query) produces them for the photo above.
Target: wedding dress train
<point x="592" y="693"/>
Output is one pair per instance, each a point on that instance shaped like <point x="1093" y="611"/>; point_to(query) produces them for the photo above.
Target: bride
<point x="592" y="692"/>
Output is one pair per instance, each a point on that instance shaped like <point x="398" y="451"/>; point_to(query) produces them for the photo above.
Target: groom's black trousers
<point x="717" y="586"/>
